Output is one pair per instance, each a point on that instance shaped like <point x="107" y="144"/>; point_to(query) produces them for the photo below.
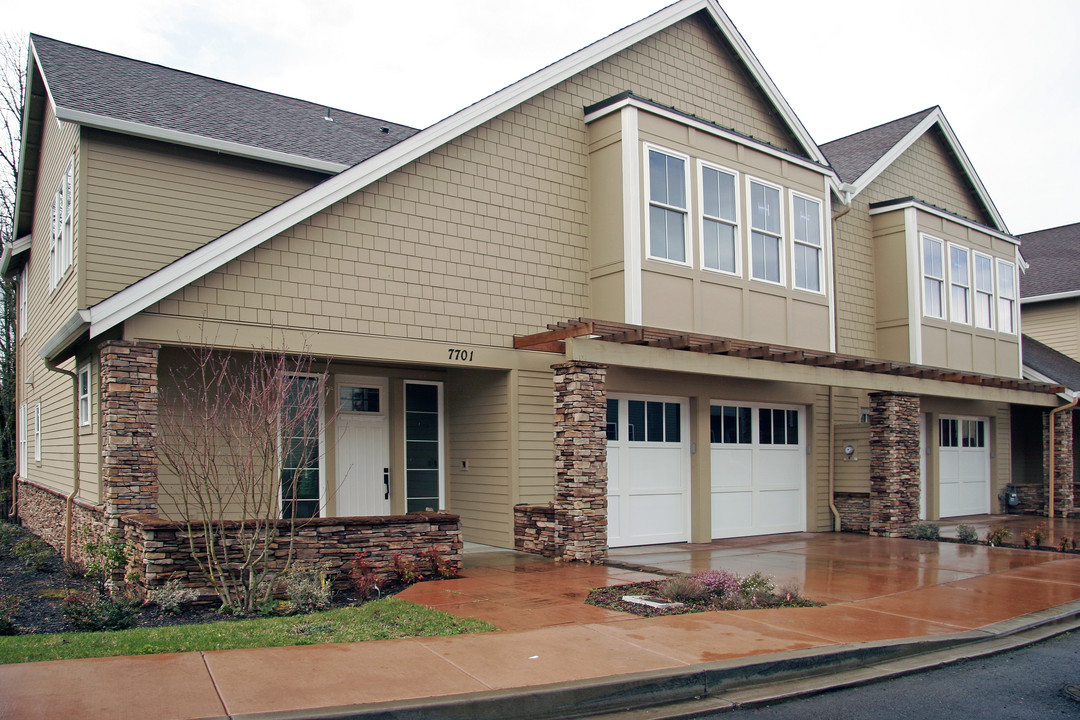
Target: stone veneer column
<point x="1063" y="462"/>
<point x="581" y="460"/>
<point x="894" y="463"/>
<point x="129" y="416"/>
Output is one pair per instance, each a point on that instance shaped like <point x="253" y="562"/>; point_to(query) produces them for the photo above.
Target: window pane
<point x="731" y="428"/>
<point x="422" y="398"/>
<point x="612" y="419"/>
<point x="358" y="399"/>
<point x="676" y="236"/>
<point x="716" y="425"/>
<point x="744" y="426"/>
<point x="807" y="267"/>
<point x="672" y="423"/>
<point x="792" y="427"/>
<point x="654" y="423"/>
<point x="984" y="274"/>
<point x="959" y="303"/>
<point x="719" y="246"/>
<point x="807" y="221"/>
<point x="636" y="416"/>
<point x="667" y="179"/>
<point x="933" y="297"/>
<point x="719" y="193"/>
<point x="779" y="425"/>
<point x="772" y="259"/>
<point x="658" y="177"/>
<point x="764" y="426"/>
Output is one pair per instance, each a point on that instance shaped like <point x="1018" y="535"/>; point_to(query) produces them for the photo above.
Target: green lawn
<point x="380" y="620"/>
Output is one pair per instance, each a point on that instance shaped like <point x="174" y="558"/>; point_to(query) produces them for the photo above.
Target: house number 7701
<point x="462" y="355"/>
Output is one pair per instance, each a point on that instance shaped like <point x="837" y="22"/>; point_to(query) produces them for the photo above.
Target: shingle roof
<point x="853" y="155"/>
<point x="1054" y="257"/>
<point x="119" y="88"/>
<point x="1047" y="361"/>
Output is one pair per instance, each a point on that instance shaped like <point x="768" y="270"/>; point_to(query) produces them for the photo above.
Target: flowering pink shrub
<point x="719" y="583"/>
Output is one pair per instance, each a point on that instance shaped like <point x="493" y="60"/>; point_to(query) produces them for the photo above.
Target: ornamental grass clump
<point x="684" y="589"/>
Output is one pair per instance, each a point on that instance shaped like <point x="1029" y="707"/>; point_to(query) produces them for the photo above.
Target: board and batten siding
<point x="1055" y="323"/>
<point x="485" y="237"/>
<point x="149" y="203"/>
<point x="479" y="487"/>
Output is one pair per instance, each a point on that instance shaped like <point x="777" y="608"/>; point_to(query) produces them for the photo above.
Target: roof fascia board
<point x="936" y="117"/>
<point x="142" y="294"/>
<point x="62" y="340"/>
<point x="947" y="216"/>
<point x="176" y="137"/>
<point x="33" y="67"/>
<point x="1068" y="295"/>
<point x="709" y="128"/>
<point x="1031" y="373"/>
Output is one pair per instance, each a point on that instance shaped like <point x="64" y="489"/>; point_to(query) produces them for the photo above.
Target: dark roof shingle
<point x="1054" y="257"/>
<point x="853" y="155"/>
<point x="120" y="88"/>
<point x="1047" y="361"/>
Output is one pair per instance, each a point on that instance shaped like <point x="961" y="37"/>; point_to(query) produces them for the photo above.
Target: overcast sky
<point x="1006" y="74"/>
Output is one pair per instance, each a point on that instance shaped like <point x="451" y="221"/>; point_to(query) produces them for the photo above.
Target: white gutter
<point x="77" y="324"/>
<point x="1050" y="296"/>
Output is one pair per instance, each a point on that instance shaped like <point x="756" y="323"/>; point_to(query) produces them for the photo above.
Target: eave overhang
<point x="63" y="342"/>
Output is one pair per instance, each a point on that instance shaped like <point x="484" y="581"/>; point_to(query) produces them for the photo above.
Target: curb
<point x="711" y="687"/>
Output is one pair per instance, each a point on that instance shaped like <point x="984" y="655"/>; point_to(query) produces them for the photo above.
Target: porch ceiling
<point x="625" y="334"/>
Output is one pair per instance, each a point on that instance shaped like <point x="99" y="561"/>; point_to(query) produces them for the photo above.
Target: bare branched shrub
<point x="241" y="435"/>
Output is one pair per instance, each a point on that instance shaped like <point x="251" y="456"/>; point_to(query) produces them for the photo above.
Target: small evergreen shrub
<point x="683" y="588"/>
<point x="172" y="596"/>
<point x="925" y="531"/>
<point x="998" y="536"/>
<point x="308" y="588"/>
<point x="967" y="534"/>
<point x="35" y="553"/>
<point x="88" y="611"/>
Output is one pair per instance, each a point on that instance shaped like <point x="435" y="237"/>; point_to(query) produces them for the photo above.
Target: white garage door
<point x="963" y="466"/>
<point x="758" y="469"/>
<point x="648" y="457"/>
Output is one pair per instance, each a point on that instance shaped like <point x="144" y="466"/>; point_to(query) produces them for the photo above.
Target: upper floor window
<point x="1006" y="277"/>
<point x="667" y="206"/>
<point x="766" y="234"/>
<point x="959" y="284"/>
<point x="60" y="242"/>
<point x="23" y="471"/>
<point x="984" y="291"/>
<point x="24" y="292"/>
<point x="37" y="432"/>
<point x="720" y="228"/>
<point x="84" y="395"/>
<point x="806" y="219"/>
<point x="933" y="277"/>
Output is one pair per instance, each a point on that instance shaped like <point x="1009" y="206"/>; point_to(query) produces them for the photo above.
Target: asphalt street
<point x="1023" y="684"/>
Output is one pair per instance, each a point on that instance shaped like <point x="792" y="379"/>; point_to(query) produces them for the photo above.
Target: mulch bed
<point x="39" y="594"/>
<point x="611" y="599"/>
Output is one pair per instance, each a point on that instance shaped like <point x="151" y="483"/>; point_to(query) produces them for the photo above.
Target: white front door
<point x="363" y="448"/>
<point x="758" y="469"/>
<point x="648" y="455"/>
<point x="963" y="466"/>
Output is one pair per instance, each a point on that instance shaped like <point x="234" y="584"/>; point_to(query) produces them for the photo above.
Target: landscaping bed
<point x="711" y="590"/>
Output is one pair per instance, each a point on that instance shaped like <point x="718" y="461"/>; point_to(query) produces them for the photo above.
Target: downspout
<point x="832" y="464"/>
<point x="845" y="199"/>
<point x="1050" y="500"/>
<point x="69" y="505"/>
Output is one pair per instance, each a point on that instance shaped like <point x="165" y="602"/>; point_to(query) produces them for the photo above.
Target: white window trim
<point x="952" y="281"/>
<point x="702" y="217"/>
<point x="792" y="194"/>
<point x="1013" y="319"/>
<point x="62" y="227"/>
<point x="23" y="469"/>
<point x="648" y="202"/>
<point x="84" y="417"/>
<point x="976" y="292"/>
<point x="923" y="237"/>
<point x="24" y="291"/>
<point x="37" y="432"/>
<point x="750" y="230"/>
<point x="380" y="383"/>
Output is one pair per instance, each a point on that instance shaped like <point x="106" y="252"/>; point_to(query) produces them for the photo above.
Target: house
<point x="1050" y="312"/>
<point x="625" y="300"/>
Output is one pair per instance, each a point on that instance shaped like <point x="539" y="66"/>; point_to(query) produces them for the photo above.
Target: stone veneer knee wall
<point x="535" y="530"/>
<point x="894" y="463"/>
<point x="161" y="548"/>
<point x="854" y="509"/>
<point x="41" y="511"/>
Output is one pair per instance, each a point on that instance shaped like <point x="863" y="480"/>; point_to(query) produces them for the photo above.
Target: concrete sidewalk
<point x="883" y="595"/>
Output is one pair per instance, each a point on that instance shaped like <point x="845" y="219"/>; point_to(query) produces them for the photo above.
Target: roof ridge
<point x="214" y="80"/>
<point x="922" y="113"/>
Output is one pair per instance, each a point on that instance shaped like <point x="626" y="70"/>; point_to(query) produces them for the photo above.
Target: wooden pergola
<point x="553" y="340"/>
